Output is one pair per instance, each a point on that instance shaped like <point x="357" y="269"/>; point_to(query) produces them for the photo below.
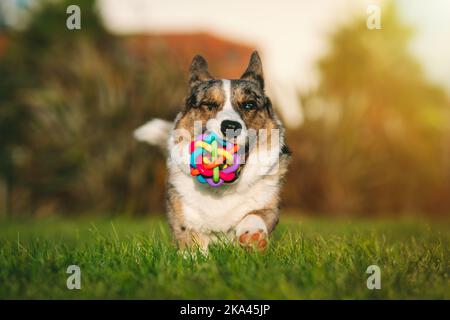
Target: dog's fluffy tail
<point x="155" y="132"/>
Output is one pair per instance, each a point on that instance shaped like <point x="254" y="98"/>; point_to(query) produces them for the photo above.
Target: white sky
<point x="291" y="34"/>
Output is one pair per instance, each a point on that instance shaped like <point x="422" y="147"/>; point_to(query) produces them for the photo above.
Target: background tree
<point x="69" y="104"/>
<point x="374" y="137"/>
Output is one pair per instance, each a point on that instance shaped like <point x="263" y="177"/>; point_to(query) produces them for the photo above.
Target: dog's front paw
<point x="251" y="233"/>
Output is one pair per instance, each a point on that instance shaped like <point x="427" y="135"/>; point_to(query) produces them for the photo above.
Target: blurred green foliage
<point x="69" y="104"/>
<point x="376" y="137"/>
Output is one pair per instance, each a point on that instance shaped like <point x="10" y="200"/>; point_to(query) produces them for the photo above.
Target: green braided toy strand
<point x="213" y="158"/>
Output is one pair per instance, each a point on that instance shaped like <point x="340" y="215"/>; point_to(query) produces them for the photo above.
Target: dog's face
<point x="233" y="109"/>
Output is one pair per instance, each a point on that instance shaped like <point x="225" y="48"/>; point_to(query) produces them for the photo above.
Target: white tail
<point x="155" y="132"/>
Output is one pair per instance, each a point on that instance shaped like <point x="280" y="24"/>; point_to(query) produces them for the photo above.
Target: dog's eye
<point x="211" y="105"/>
<point x="249" y="105"/>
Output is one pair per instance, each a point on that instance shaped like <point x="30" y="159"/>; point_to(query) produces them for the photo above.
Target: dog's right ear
<point x="198" y="71"/>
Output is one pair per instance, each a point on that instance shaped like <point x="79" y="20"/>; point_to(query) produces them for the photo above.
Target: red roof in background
<point x="3" y="44"/>
<point x="226" y="59"/>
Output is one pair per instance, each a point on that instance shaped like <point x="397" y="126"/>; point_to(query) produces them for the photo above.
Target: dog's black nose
<point x="230" y="128"/>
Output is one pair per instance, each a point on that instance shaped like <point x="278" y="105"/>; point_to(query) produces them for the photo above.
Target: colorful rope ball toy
<point x="214" y="161"/>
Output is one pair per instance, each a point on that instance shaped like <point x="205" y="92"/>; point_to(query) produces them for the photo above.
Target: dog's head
<point x="233" y="109"/>
<point x="237" y="111"/>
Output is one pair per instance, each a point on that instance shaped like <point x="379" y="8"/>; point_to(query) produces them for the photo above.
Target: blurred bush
<point x="376" y="137"/>
<point x="69" y="103"/>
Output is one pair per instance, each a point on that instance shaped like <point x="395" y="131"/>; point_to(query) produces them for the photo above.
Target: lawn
<point x="306" y="259"/>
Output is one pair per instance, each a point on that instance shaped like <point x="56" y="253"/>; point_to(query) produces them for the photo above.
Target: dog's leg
<point x="253" y="230"/>
<point x="192" y="240"/>
<point x="184" y="237"/>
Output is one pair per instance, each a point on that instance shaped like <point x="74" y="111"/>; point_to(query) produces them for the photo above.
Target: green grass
<point x="124" y="258"/>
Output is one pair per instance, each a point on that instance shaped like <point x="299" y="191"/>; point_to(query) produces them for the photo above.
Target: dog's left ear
<point x="254" y="70"/>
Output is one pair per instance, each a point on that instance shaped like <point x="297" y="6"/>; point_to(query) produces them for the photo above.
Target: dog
<point x="247" y="210"/>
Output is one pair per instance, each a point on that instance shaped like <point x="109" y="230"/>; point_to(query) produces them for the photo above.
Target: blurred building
<point x="227" y="59"/>
<point x="3" y="44"/>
